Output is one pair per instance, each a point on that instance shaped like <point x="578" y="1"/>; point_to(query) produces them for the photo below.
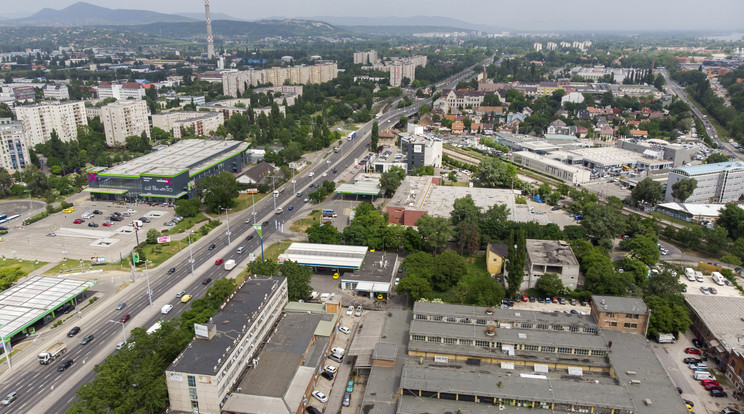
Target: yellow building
<point x="495" y="255"/>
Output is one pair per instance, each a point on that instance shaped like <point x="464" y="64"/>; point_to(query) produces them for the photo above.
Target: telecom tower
<point x="210" y="38"/>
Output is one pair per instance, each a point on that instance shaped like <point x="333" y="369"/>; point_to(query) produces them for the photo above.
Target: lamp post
<point x="123" y="330"/>
<point x="191" y="255"/>
<point x="294" y="186"/>
<point x="227" y="218"/>
<point x="147" y="276"/>
<point x="253" y="205"/>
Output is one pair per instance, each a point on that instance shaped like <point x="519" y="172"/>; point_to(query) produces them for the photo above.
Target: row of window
<point x="525" y="325"/>
<point x="627" y="325"/>
<point x="627" y="315"/>
<point x="498" y="345"/>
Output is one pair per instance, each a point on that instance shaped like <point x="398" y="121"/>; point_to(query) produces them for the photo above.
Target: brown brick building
<point x="622" y="314"/>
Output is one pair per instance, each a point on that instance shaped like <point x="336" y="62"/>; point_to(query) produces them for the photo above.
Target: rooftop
<point x="376" y="267"/>
<point x="360" y="187"/>
<point x="411" y="192"/>
<point x="710" y="168"/>
<point x="201" y="356"/>
<point x="616" y="304"/>
<point x="501" y="315"/>
<point x="726" y="327"/>
<point x="441" y="199"/>
<point x="551" y="252"/>
<point x="188" y="154"/>
<point x="325" y="255"/>
<point x="25" y="303"/>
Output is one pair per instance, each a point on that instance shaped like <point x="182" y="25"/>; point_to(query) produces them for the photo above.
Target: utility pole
<point x="227" y="218"/>
<point x="191" y="255"/>
<point x="147" y="276"/>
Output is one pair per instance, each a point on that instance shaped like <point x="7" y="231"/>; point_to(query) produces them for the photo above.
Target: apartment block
<point x="234" y="83"/>
<point x="717" y="183"/>
<point x="400" y="68"/>
<point x="39" y="120"/>
<point x="109" y="90"/>
<point x="165" y="120"/>
<point x="58" y="92"/>
<point x="13" y="148"/>
<point x="204" y="124"/>
<point x="203" y="376"/>
<point x="124" y="119"/>
<point x="365" y="58"/>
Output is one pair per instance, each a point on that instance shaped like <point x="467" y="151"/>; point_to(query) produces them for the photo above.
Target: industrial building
<point x="550" y="256"/>
<point x="287" y="367"/>
<point x="14" y="154"/>
<point x="375" y="276"/>
<point x="206" y="372"/>
<point x="125" y="119"/>
<point x="420" y="151"/>
<point x="717" y="183"/>
<point x="168" y="174"/>
<point x="554" y="168"/>
<point x="677" y="154"/>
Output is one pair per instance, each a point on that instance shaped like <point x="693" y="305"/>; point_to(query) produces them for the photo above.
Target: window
<point x="631" y="325"/>
<point x="590" y="330"/>
<point x="436" y="318"/>
<point x="468" y="342"/>
<point x="450" y="340"/>
<point x="483" y="343"/>
<point x="435" y="339"/>
<point x="599" y="352"/>
<point x="451" y="319"/>
<point x="564" y="350"/>
<point x="527" y="325"/>
<point x="557" y="327"/>
<point x="195" y="406"/>
<point x="581" y="351"/>
<point x="613" y="323"/>
<point x="192" y="393"/>
<point x="481" y="321"/>
<point x="550" y="349"/>
<point x="418" y="338"/>
<point x="531" y="347"/>
<point x="573" y="328"/>
<point x="421" y="317"/>
<point x="542" y="326"/>
<point x="192" y="381"/>
<point x="610" y="315"/>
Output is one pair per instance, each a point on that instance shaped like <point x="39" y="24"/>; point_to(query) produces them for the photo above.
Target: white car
<point x="338" y="350"/>
<point x="312" y="173"/>
<point x="350" y="311"/>
<point x="320" y="396"/>
<point x="121" y="345"/>
<point x="330" y="369"/>
<point x="358" y="311"/>
<point x="344" y="330"/>
<point x="325" y="174"/>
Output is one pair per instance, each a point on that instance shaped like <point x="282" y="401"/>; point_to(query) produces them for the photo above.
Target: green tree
<point x="464" y="209"/>
<point x="188" y="208"/>
<point x="731" y="218"/>
<point x="152" y="236"/>
<point x="448" y="268"/>
<point x="647" y="190"/>
<point x="6" y="181"/>
<point x="375" y="136"/>
<point x="9" y="275"/>
<point x="264" y="268"/>
<point x="298" y="279"/>
<point x="603" y="223"/>
<point x="683" y="189"/>
<point x="717" y="157"/>
<point x="516" y="258"/>
<point x="667" y="316"/>
<point x="140" y="144"/>
<point x="324" y="234"/>
<point x="663" y="284"/>
<point x="415" y="286"/>
<point x="549" y="284"/>
<point x="642" y="248"/>
<point x="492" y="172"/>
<point x="218" y="191"/>
<point x="391" y="179"/>
<point x="419" y="264"/>
<point x="436" y="231"/>
<point x="468" y="236"/>
<point x="403" y="121"/>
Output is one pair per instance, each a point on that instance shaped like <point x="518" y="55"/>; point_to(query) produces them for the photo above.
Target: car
<point x="121" y="306"/>
<point x="679" y="390"/>
<point x="312" y="173"/>
<point x="115" y="218"/>
<point x="532" y="298"/>
<point x="265" y="223"/>
<point x="212" y="246"/>
<point x="325" y="174"/>
<point x="345" y="330"/>
<point x="711" y="387"/>
<point x="107" y="224"/>
<point x="320" y="396"/>
<point x="562" y="301"/>
<point x="704" y="290"/>
<point x="728" y="282"/>
<point x="206" y="281"/>
<point x="186" y="298"/>
<point x="697" y="366"/>
<point x="125" y="318"/>
<point x="68" y="210"/>
<point x="525" y="299"/>
<point x="218" y="262"/>
<point x="316" y="185"/>
<point x="171" y="270"/>
<point x="78" y="221"/>
<point x="74" y="331"/>
<point x="554" y="300"/>
<point x="144" y="219"/>
<point x="97" y="212"/>
<point x="87" y="339"/>
<point x="306" y="200"/>
<point x="331" y="369"/>
<point x="337" y="358"/>
<point x="358" y="311"/>
<point x="9" y="398"/>
<point x="582" y="302"/>
<point x="180" y="294"/>
<point x="347" y="399"/>
<point x="718" y="393"/>
<point x="693" y="351"/>
<point x="337" y="350"/>
<point x="51" y="234"/>
<point x="697" y="343"/>
<point x="712" y="290"/>
<point x="708" y="381"/>
<point x="290" y="208"/>
<point x="574" y="312"/>
<point x="350" y="386"/>
<point x="121" y="345"/>
<point x="312" y="410"/>
<point x="350" y="311"/>
<point x="63" y="366"/>
<point x="692" y="360"/>
<point x="91" y="224"/>
<point x="249" y="237"/>
<point x="397" y="280"/>
<point x="729" y="411"/>
<point x="327" y="375"/>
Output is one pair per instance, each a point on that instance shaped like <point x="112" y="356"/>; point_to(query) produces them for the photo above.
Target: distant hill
<point x="86" y="14"/>
<point x="215" y="16"/>
<point x="447" y="23"/>
<point x="248" y="31"/>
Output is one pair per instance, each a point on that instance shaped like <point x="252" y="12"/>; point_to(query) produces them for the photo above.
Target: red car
<point x="125" y="318"/>
<point x="525" y="299"/>
<point x="710" y="387"/>
<point x="218" y="262"/>
<point x="693" y="351"/>
<point x="107" y="224"/>
<point x="78" y="221"/>
<point x="554" y="300"/>
<point x="708" y="381"/>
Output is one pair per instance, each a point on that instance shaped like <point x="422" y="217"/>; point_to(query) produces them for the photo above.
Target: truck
<point x="52" y="353"/>
<point x="230" y="264"/>
<point x="690" y="274"/>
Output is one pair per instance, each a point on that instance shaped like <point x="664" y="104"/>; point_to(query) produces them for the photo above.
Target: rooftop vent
<point x="489" y="311"/>
<point x="490" y="331"/>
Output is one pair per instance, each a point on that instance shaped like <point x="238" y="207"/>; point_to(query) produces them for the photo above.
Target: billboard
<point x="252" y="191"/>
<point x="97" y="259"/>
<point x="201" y="330"/>
<point x="164" y="239"/>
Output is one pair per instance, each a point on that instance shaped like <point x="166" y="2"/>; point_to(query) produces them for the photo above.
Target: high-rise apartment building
<point x="124" y="119"/>
<point x="40" y="120"/>
<point x="56" y="91"/>
<point x="237" y="82"/>
<point x="365" y="58"/>
<point x="13" y="148"/>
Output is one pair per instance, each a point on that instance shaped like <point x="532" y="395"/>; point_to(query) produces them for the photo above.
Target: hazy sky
<point x="524" y="14"/>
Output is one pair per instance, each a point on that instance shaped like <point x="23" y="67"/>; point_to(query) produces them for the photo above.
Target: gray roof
<point x="376" y="267"/>
<point x="727" y="327"/>
<point x="385" y="351"/>
<point x="616" y="304"/>
<point x="550" y="252"/>
<point x="259" y="171"/>
<point x="201" y="355"/>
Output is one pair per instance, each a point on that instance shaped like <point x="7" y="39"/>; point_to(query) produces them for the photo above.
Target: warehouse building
<point x="554" y="168"/>
<point x="168" y="174"/>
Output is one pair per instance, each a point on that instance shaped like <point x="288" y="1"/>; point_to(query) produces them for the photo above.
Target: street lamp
<point x="147" y="276"/>
<point x="294" y="186"/>
<point x="227" y="218"/>
<point x="123" y="330"/>
<point x="191" y="255"/>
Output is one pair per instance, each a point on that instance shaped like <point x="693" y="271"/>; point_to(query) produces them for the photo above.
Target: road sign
<point x="135" y="257"/>
<point x="258" y="230"/>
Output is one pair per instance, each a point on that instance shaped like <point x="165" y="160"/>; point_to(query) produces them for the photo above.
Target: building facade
<point x="421" y="152"/>
<point x="124" y="119"/>
<point x="205" y="124"/>
<point x="56" y="91"/>
<point x="13" y="147"/>
<point x="553" y="168"/>
<point x="550" y="256"/>
<point x="234" y="83"/>
<point x="39" y="120"/>
<point x="365" y="58"/>
<point x="621" y="314"/>
<point x="717" y="183"/>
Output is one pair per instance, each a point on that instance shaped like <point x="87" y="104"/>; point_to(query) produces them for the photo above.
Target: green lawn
<point x="273" y="251"/>
<point x="304" y="223"/>
<point x="27" y="266"/>
<point x="244" y="201"/>
<point x="664" y="217"/>
<point x="186" y="223"/>
<point x="74" y="265"/>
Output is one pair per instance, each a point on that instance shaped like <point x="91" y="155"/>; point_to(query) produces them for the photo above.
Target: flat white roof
<point x="25" y="303"/>
<point x="325" y="255"/>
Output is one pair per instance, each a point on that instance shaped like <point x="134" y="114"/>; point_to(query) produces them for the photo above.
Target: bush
<point x="731" y="259"/>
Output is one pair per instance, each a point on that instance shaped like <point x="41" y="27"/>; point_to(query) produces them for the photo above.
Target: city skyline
<point x="680" y="15"/>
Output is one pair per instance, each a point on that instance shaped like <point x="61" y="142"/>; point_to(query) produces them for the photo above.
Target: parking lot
<point x="57" y="237"/>
<point x="693" y="288"/>
<point x="336" y="388"/>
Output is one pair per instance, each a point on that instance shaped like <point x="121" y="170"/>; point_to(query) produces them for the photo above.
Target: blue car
<point x="290" y="208"/>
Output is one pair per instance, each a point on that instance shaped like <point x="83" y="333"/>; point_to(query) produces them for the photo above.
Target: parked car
<point x="337" y="358"/>
<point x="697" y="343"/>
<point x="692" y="360"/>
<point x="693" y="351"/>
<point x="344" y="330"/>
<point x="327" y="375"/>
<point x="729" y="411"/>
<point x="718" y="393"/>
<point x="347" y="399"/>
<point x="320" y="396"/>
<point x="338" y="350"/>
<point x="51" y="234"/>
<point x="86" y="340"/>
<point x="121" y="345"/>
<point x="350" y="386"/>
<point x="74" y="331"/>
<point x="312" y="410"/>
<point x="91" y="224"/>
<point x="711" y="387"/>
<point x="63" y="366"/>
<point x="78" y="221"/>
<point x="712" y="290"/>
<point x="358" y="311"/>
<point x="350" y="311"/>
<point x="97" y="212"/>
<point x="709" y="381"/>
<point x="107" y="224"/>
<point x="331" y="369"/>
<point x="144" y="219"/>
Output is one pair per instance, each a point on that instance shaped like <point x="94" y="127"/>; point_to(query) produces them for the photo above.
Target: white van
<point x="690" y="274"/>
<point x="165" y="309"/>
<point x="717" y="278"/>
<point x="701" y="375"/>
<point x="240" y="250"/>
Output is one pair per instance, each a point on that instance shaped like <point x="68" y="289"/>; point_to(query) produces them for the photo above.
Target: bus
<point x="352" y="135"/>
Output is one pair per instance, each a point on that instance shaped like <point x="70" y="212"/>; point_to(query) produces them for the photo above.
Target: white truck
<point x="154" y="328"/>
<point x="230" y="264"/>
<point x="690" y="274"/>
<point x="717" y="278"/>
<point x="52" y="352"/>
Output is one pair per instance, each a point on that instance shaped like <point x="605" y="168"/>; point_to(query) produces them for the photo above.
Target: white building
<point x="109" y="90"/>
<point x="124" y="119"/>
<point x="13" y="147"/>
<point x="554" y="168"/>
<point x="40" y="120"/>
<point x="573" y="97"/>
<point x="717" y="183"/>
<point x="365" y="58"/>
<point x="537" y="46"/>
<point x="204" y="124"/>
<point x="237" y="82"/>
<point x="56" y="91"/>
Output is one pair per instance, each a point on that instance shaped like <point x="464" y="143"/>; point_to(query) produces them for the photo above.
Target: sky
<point x="569" y="15"/>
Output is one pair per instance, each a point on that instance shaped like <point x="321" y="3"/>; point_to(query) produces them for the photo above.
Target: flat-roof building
<point x="204" y="124"/>
<point x="722" y="182"/>
<point x="14" y="155"/>
<point x="168" y="174"/>
<point x="374" y="277"/>
<point x="554" y="168"/>
<point x="39" y="120"/>
<point x="125" y="119"/>
<point x="622" y="314"/>
<point x="205" y="373"/>
<point x="334" y="256"/>
<point x="550" y="256"/>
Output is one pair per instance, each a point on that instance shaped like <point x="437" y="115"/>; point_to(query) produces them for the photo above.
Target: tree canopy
<point x="218" y="191"/>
